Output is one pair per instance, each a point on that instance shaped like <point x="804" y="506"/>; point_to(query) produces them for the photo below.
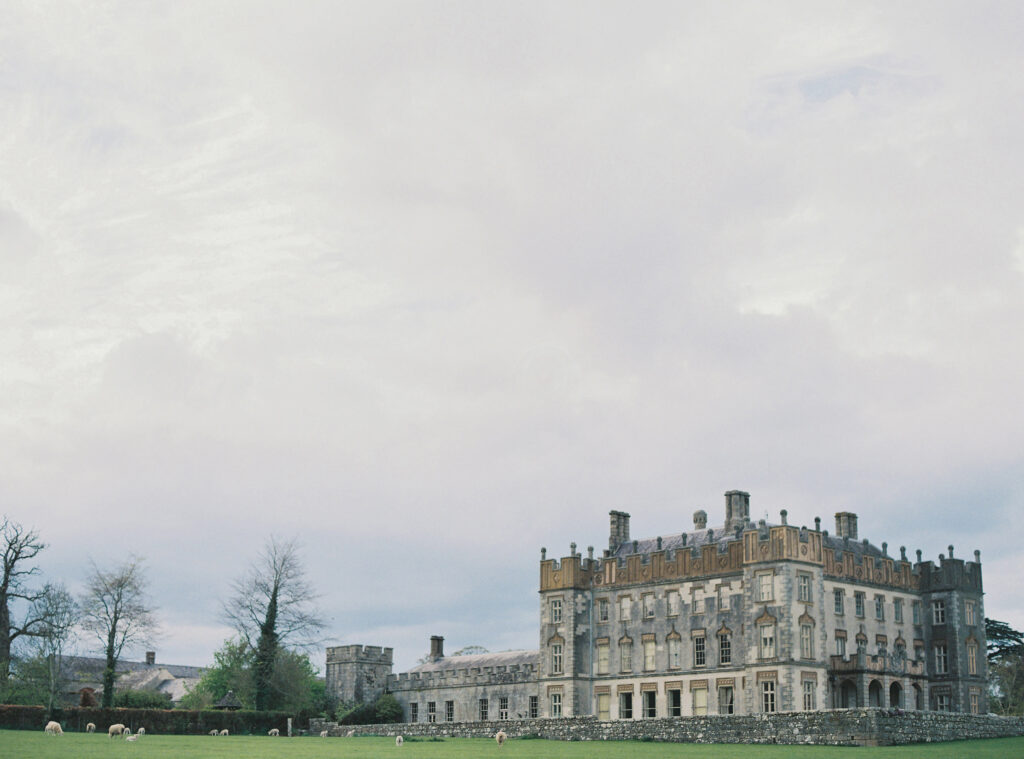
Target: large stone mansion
<point x="739" y="618"/>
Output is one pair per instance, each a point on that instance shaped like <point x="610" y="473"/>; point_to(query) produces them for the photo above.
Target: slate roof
<point x="498" y="659"/>
<point x="173" y="679"/>
<point x="859" y="548"/>
<point x="674" y="542"/>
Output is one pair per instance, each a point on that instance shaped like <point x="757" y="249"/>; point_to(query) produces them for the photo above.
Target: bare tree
<point x="271" y="606"/>
<point x="60" y="615"/>
<point x="116" y="610"/>
<point x="20" y="545"/>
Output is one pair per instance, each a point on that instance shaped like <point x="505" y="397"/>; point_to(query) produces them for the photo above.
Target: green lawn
<point x="21" y="744"/>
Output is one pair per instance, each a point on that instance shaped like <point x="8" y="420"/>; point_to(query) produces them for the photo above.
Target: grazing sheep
<point x="142" y="731"/>
<point x="223" y="732"/>
<point x="213" y="732"/>
<point x="131" y="737"/>
<point x="500" y="737"/>
<point x="115" y="729"/>
<point x="274" y="732"/>
<point x="399" y="740"/>
<point x="53" y="728"/>
<point x="350" y="733"/>
<point x="91" y="727"/>
<point x="127" y="732"/>
<point x="323" y="733"/>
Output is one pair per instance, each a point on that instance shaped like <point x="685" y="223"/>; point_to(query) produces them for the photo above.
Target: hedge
<point x="164" y="721"/>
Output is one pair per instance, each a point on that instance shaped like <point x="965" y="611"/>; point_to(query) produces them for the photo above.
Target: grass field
<point x="21" y="744"/>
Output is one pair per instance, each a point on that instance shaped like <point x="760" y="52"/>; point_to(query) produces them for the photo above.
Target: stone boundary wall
<point x="841" y="727"/>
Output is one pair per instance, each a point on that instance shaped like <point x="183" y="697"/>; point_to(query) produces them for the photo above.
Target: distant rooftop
<point x="498" y="659"/>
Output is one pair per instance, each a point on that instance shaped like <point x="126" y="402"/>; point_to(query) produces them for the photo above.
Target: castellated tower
<point x="357" y="674"/>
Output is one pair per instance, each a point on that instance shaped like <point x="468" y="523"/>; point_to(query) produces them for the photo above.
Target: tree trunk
<point x="5" y="644"/>
<point x="266" y="653"/>
<point x="108" y="671"/>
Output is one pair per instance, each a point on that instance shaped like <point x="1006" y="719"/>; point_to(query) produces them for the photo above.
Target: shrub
<point x="142" y="699"/>
<point x="387" y="709"/>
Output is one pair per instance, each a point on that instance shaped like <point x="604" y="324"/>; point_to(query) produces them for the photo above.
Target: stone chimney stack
<point x="151" y="657"/>
<point x="846" y="525"/>
<point x="619" y="529"/>
<point x="737" y="509"/>
<point x="700" y="519"/>
<point x="436" y="647"/>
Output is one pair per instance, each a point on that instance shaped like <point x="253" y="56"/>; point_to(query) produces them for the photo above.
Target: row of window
<point x="647" y="601"/>
<point x="699" y="701"/>
<point x="699" y="650"/>
<point x="938" y="608"/>
<point x="940" y="652"/>
<point x="767" y="691"/>
<point x="765" y="592"/>
<point x="483" y="710"/>
<point x="674" y="643"/>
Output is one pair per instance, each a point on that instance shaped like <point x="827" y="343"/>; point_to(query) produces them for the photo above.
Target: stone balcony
<point x="863" y="662"/>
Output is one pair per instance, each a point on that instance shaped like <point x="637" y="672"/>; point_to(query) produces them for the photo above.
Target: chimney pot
<point x="737" y="509"/>
<point x="846" y="525"/>
<point x="977" y="556"/>
<point x="784" y="514"/>
<point x="436" y="647"/>
<point x="151" y="657"/>
<point x="619" y="533"/>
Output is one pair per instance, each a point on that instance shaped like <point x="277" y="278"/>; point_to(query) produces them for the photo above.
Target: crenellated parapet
<point x="708" y="560"/>
<point x="950" y="574"/>
<point x="871" y="570"/>
<point x="361" y="654"/>
<point x="463" y="677"/>
<point x="781" y="543"/>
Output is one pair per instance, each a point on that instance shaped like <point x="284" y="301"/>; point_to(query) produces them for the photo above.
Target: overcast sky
<point x="432" y="285"/>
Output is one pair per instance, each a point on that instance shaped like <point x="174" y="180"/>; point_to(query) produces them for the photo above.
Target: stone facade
<point x="357" y="674"/>
<point x="736" y="619"/>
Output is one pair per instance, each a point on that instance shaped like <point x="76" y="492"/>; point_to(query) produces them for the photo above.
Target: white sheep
<point x="274" y="732"/>
<point x="500" y="737"/>
<point x="399" y="740"/>
<point x="213" y="732"/>
<point x="53" y="728"/>
<point x="131" y="737"/>
<point x="91" y="727"/>
<point x="223" y="732"/>
<point x="350" y="733"/>
<point x="142" y="731"/>
<point x="127" y="731"/>
<point x="323" y="733"/>
<point x="115" y="729"/>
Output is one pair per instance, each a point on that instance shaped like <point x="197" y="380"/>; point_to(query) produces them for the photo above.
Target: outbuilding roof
<point x="468" y="661"/>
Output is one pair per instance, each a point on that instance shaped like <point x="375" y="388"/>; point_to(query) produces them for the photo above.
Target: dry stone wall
<point x="847" y="727"/>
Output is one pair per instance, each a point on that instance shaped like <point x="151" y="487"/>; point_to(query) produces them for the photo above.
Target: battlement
<point x="950" y="574"/>
<point x="464" y="676"/>
<point x="360" y="654"/>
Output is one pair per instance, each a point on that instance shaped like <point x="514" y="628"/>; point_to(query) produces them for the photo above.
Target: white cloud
<point x="432" y="288"/>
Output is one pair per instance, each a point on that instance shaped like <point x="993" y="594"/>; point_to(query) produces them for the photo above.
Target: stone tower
<point x="358" y="674"/>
